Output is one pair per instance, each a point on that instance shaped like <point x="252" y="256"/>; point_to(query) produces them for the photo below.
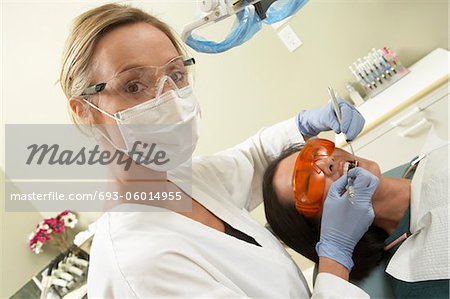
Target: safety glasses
<point x="141" y="84"/>
<point x="308" y="180"/>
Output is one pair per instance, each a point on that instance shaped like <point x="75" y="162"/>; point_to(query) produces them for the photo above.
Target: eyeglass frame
<point x="97" y="88"/>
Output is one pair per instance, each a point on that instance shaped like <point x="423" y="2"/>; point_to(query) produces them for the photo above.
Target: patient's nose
<point x="325" y="165"/>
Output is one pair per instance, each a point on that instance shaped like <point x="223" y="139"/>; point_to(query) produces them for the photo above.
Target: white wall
<point x="240" y="91"/>
<point x="257" y="84"/>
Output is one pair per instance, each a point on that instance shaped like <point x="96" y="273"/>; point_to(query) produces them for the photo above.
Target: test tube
<point x="382" y="63"/>
<point x="370" y="61"/>
<point x="360" y="78"/>
<point x="374" y="60"/>
<point x="375" y="75"/>
<point x="361" y="68"/>
<point x="385" y="61"/>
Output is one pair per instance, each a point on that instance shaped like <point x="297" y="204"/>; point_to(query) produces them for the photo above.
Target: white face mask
<point x="169" y="122"/>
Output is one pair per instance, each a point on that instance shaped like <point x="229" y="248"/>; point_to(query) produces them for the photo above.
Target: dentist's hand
<point x="312" y="122"/>
<point x="344" y="223"/>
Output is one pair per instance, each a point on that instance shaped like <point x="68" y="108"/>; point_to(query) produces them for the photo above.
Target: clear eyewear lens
<point x="141" y="84"/>
<point x="308" y="180"/>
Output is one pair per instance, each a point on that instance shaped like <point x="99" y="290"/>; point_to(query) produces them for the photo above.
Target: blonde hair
<point x="87" y="30"/>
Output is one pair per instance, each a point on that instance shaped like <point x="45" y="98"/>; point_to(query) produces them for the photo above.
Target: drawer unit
<point x="400" y="138"/>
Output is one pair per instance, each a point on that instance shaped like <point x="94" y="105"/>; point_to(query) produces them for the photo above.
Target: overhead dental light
<point x="249" y="16"/>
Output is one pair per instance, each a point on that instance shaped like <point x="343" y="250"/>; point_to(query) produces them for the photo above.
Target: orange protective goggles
<point x="308" y="180"/>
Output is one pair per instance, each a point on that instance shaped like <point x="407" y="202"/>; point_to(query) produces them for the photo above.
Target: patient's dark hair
<point x="302" y="234"/>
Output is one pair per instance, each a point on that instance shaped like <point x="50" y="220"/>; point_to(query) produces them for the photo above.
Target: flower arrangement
<point x="53" y="230"/>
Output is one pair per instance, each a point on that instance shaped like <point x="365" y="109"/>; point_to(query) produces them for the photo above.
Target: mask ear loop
<point x="101" y="132"/>
<point x="101" y="110"/>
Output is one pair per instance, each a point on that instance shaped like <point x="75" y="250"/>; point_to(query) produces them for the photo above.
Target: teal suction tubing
<point x="247" y="24"/>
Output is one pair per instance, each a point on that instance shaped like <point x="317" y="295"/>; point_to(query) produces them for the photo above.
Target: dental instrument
<point x="339" y="117"/>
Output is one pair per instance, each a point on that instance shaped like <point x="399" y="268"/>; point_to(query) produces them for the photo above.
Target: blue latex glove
<point x="312" y="122"/>
<point x="344" y="223"/>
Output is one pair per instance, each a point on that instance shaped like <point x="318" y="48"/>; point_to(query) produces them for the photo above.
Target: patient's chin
<point x="371" y="166"/>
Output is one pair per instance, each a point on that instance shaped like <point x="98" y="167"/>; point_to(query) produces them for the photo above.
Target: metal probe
<point x="337" y="110"/>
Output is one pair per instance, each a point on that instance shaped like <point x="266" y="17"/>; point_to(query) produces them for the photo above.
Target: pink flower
<point x="58" y="227"/>
<point x="44" y="226"/>
<point x="63" y="213"/>
<point x="70" y="220"/>
<point x="55" y="224"/>
<point x="33" y="240"/>
<point x="50" y="221"/>
<point x="42" y="236"/>
<point x="36" y="247"/>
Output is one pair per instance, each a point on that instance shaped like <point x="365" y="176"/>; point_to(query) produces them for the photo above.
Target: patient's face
<point x="332" y="167"/>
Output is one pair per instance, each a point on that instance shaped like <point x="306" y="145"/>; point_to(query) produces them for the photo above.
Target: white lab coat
<point x="164" y="254"/>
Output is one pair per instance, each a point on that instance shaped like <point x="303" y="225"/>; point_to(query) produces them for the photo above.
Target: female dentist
<point x="124" y="67"/>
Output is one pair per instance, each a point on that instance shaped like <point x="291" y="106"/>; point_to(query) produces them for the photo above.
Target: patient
<point x="395" y="216"/>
